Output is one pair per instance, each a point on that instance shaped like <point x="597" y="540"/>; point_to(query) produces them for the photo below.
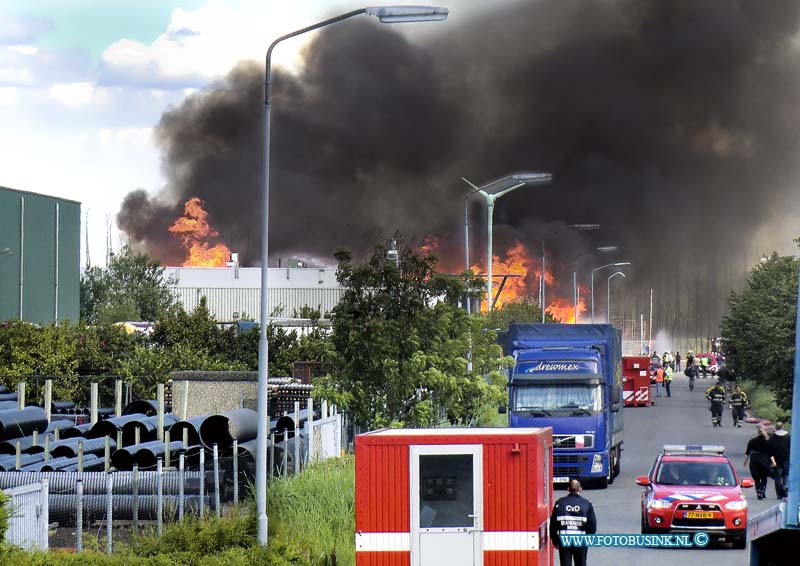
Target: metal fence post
<point x="18" y="462"/>
<point x="235" y="472"/>
<point x="48" y="399"/>
<point x="160" y="410"/>
<point x="79" y="518"/>
<point x="119" y="440"/>
<point x="160" y="497"/>
<point x="80" y="457"/>
<point x="109" y="512"/>
<point x="93" y="403"/>
<point x="21" y="395"/>
<point x="46" y="447"/>
<point x="107" y="454"/>
<point x="271" y="455"/>
<point x="135" y="499"/>
<point x="167" y="452"/>
<point x="310" y="434"/>
<point x="296" y="467"/>
<point x="202" y="480"/>
<point x="118" y="398"/>
<point x="216" y="479"/>
<point x="181" y="486"/>
<point x="284" y="461"/>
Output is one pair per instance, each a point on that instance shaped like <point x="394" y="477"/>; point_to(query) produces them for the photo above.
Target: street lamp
<point x="386" y="14"/>
<point x="608" y="294"/>
<point x="543" y="283"/>
<point x="575" y="290"/>
<point x="619" y="264"/>
<point x="491" y="192"/>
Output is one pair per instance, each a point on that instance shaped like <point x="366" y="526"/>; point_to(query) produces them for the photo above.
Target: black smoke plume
<point x="674" y="124"/>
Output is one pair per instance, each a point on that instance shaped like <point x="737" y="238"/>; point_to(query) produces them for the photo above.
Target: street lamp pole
<point x="491" y="192"/>
<point x="466" y="236"/>
<point x="608" y="294"/>
<point x="386" y="14"/>
<point x="618" y="264"/>
<point x="575" y="290"/>
<point x="543" y="284"/>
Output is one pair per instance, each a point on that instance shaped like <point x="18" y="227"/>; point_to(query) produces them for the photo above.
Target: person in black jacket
<point x="716" y="394"/>
<point x="738" y="403"/>
<point x="757" y="455"/>
<point x="572" y="515"/>
<point x="779" y="444"/>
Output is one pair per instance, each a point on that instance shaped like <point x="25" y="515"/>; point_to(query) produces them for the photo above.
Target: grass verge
<point x="762" y="402"/>
<point x="311" y="520"/>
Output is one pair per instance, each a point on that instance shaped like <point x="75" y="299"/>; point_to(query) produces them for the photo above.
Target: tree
<point x="132" y="287"/>
<point x="400" y="342"/>
<point x="515" y="311"/>
<point x="759" y="331"/>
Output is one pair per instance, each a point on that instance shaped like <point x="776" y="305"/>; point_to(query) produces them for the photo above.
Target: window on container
<point x="446" y="491"/>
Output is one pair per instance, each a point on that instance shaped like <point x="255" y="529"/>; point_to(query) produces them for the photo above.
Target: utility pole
<point x="650" y="324"/>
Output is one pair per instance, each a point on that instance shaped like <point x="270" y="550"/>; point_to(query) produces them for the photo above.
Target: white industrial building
<point x="233" y="293"/>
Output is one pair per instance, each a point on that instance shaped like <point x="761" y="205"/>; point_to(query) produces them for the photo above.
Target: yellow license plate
<point x="699" y="515"/>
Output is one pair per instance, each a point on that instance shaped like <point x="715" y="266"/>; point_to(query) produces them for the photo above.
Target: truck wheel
<point x="617" y="459"/>
<point x="645" y="528"/>
<point x="740" y="543"/>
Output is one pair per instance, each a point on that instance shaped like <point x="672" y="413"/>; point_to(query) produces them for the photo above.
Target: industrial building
<point x="39" y="257"/>
<point x="234" y="293"/>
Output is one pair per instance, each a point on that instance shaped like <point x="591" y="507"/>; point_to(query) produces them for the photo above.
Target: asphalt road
<point x="683" y="418"/>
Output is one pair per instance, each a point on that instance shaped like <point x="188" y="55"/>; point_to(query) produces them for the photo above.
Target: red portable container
<point x="636" y="381"/>
<point x="467" y="497"/>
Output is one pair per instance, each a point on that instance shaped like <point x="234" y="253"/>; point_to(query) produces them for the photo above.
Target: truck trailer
<point x="569" y="377"/>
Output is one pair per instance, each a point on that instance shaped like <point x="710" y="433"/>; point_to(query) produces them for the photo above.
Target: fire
<point x="564" y="310"/>
<point x="518" y="263"/>
<point x="194" y="231"/>
<point x="431" y="244"/>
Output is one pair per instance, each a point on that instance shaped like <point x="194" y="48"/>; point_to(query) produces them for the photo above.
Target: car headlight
<point x="660" y="504"/>
<point x="597" y="463"/>
<point x="736" y="505"/>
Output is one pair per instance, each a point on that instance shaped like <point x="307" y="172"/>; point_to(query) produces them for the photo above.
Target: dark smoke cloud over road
<point x="674" y="124"/>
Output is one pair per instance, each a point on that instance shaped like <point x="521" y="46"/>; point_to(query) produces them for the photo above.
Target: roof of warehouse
<point x="39" y="195"/>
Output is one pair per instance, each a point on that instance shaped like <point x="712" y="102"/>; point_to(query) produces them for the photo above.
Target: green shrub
<point x="762" y="401"/>
<point x="5" y="512"/>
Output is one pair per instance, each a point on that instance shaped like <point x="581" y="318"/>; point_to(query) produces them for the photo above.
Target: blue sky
<point x="92" y="25"/>
<point x="83" y="82"/>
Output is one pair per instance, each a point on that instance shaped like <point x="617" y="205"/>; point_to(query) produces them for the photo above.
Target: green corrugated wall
<point x="39" y="257"/>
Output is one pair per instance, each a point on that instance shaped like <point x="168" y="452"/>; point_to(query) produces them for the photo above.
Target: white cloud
<point x="24" y="49"/>
<point x="8" y="95"/>
<point x="15" y="76"/>
<point x="20" y="29"/>
<point x="203" y="44"/>
<point x="72" y="94"/>
<point x="126" y="137"/>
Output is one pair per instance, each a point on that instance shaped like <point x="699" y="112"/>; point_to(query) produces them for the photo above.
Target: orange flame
<point x="194" y="231"/>
<point x="564" y="310"/>
<point x="431" y="244"/>
<point x="517" y="262"/>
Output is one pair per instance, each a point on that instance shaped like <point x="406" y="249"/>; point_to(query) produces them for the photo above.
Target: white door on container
<point x="446" y="505"/>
